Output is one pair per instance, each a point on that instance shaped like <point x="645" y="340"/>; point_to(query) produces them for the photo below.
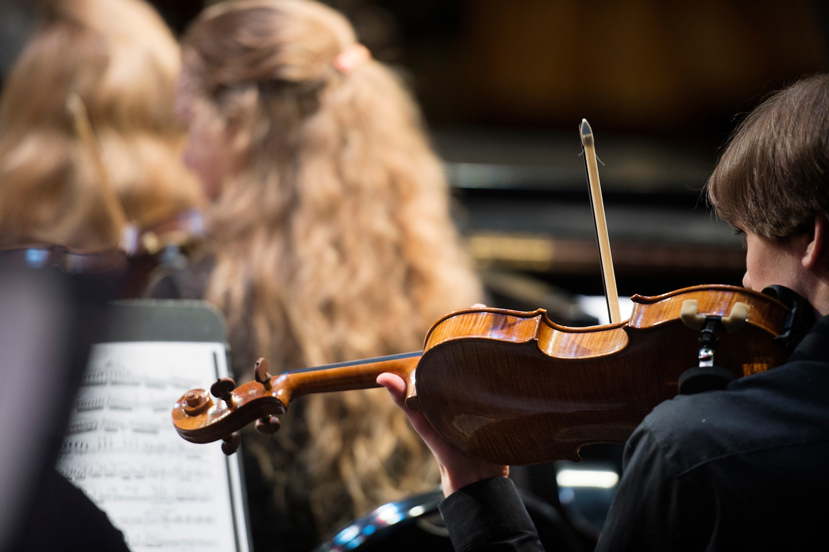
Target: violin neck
<point x="345" y="376"/>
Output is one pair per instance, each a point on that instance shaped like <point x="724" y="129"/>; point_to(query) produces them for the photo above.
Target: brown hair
<point x="336" y="231"/>
<point x="122" y="61"/>
<point x="772" y="178"/>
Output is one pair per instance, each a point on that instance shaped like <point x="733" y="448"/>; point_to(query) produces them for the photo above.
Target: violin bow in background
<point x="608" y="276"/>
<point x="83" y="128"/>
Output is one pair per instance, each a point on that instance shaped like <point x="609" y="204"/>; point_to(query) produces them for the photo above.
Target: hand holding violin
<point x="457" y="469"/>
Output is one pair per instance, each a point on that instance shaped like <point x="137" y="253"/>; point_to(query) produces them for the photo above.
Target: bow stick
<point x="608" y="276"/>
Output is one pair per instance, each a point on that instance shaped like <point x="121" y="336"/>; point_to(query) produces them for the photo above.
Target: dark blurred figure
<point x="17" y="20"/>
<point x="48" y="320"/>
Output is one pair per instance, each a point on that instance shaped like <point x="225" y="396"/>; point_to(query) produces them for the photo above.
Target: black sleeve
<point x="656" y="507"/>
<point x="489" y="516"/>
<point x="64" y="519"/>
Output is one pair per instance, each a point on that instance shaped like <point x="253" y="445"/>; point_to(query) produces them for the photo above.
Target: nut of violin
<point x="737" y="318"/>
<point x="261" y="373"/>
<point x="196" y="401"/>
<point x="268" y="424"/>
<point x="688" y="315"/>
<point x="413" y="403"/>
<point x="231" y="444"/>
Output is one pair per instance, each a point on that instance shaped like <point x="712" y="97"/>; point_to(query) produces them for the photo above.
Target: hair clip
<point x="351" y="58"/>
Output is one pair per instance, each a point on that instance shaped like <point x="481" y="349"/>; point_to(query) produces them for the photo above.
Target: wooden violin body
<point x="515" y="388"/>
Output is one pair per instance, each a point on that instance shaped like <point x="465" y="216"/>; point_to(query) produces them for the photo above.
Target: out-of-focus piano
<point x="524" y="208"/>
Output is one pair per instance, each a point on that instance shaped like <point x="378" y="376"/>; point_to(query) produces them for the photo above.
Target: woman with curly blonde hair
<point x="332" y="241"/>
<point x="118" y="60"/>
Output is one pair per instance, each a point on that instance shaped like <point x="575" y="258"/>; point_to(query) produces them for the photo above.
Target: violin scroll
<point x="200" y="419"/>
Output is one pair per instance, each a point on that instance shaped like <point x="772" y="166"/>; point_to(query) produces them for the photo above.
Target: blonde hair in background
<point x="336" y="231"/>
<point x="122" y="61"/>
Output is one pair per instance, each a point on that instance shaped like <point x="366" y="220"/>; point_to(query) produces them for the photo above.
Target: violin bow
<point x="83" y="128"/>
<point x="605" y="258"/>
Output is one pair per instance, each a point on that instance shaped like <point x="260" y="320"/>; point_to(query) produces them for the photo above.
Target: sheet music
<point x="122" y="450"/>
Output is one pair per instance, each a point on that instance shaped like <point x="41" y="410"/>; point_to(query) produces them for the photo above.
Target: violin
<point x="178" y="230"/>
<point x="514" y="387"/>
<point x="158" y="249"/>
<point x="74" y="261"/>
<point x="148" y="246"/>
<point x="164" y="244"/>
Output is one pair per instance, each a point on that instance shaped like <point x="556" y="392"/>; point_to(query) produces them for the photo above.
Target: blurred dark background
<point x="504" y="86"/>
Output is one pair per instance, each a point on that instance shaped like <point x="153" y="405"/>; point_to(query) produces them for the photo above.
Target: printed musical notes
<point x="122" y="450"/>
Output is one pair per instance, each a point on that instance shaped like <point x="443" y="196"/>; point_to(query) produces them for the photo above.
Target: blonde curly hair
<point x="122" y="61"/>
<point x="336" y="230"/>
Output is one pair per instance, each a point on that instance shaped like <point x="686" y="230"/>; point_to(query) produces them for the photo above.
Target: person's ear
<point x="815" y="248"/>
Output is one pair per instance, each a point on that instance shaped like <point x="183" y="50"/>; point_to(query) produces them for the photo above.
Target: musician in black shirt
<point x="739" y="468"/>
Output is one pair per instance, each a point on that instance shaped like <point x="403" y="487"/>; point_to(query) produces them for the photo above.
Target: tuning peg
<point x="261" y="373"/>
<point x="231" y="443"/>
<point x="268" y="424"/>
<point x="223" y="389"/>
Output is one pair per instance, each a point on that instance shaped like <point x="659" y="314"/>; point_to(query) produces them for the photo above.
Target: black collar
<point x="815" y="345"/>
